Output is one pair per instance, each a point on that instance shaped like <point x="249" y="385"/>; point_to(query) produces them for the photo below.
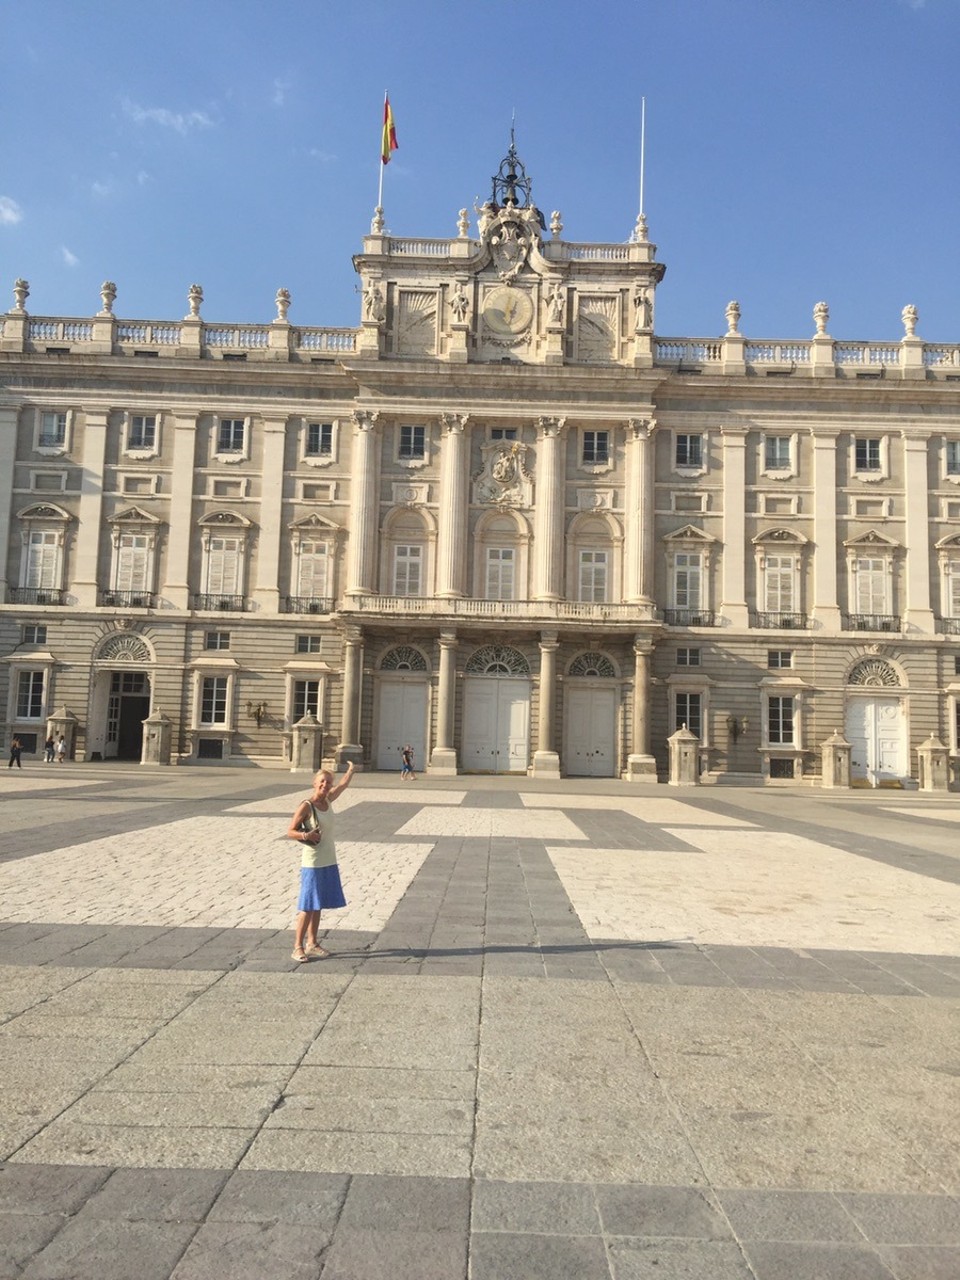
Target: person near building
<point x="61" y="749"/>
<point x="49" y="747"/>
<point x="406" y="772"/>
<point x="312" y="826"/>
<point x="16" y="747"/>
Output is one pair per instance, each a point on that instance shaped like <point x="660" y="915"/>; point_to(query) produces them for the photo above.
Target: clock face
<point x="507" y="310"/>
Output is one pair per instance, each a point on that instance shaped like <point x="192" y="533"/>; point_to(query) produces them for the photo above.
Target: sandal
<point x="321" y="953"/>
<point x="299" y="955"/>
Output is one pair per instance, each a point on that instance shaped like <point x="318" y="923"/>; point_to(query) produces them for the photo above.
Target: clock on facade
<point x="507" y="310"/>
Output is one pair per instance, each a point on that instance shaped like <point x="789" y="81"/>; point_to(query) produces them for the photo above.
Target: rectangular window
<point x="956" y="672"/>
<point x="216" y="639"/>
<point x="308" y="644"/>
<point x="213" y="700"/>
<point x="319" y="439"/>
<point x="779" y="659"/>
<point x="688" y="711"/>
<point x="689" y="451"/>
<point x="953" y="457"/>
<point x="778" y="581"/>
<point x="43" y="571"/>
<point x="776" y="453"/>
<point x="593" y="576"/>
<point x="500" y="573"/>
<point x="407" y="563"/>
<point x="413" y="442"/>
<point x="953" y="589"/>
<point x="133" y="553"/>
<point x="503" y="433"/>
<point x="230" y="435"/>
<point x="313" y="569"/>
<point x="871" y="586"/>
<point x="53" y="430"/>
<point x="687" y="579"/>
<point x="596" y="447"/>
<point x="29" y="695"/>
<point x="780" y="722"/>
<point x="33" y="633"/>
<point x="867" y="454"/>
<point x="306" y="699"/>
<point x="223" y="567"/>
<point x="143" y="432"/>
<point x="688" y="657"/>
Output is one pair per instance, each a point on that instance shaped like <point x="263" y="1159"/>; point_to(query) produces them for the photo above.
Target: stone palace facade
<point x="503" y="520"/>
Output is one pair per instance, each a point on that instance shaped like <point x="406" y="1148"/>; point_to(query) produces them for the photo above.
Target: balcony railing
<point x="872" y="622"/>
<point x="36" y="595"/>
<point x="556" y="610"/>
<point x="211" y="603"/>
<point x="949" y="626"/>
<point x="125" y="599"/>
<point x="788" y="621"/>
<point x="307" y="604"/>
<point x="689" y="618"/>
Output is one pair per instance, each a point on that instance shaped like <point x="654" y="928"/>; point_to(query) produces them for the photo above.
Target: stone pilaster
<point x="733" y="603"/>
<point x="176" y="589"/>
<point x="826" y="609"/>
<point x="443" y="760"/>
<point x="266" y="592"/>
<point x="89" y="520"/>
<point x="452" y="514"/>
<point x="546" y="762"/>
<point x="548" y="511"/>
<point x="641" y="766"/>
<point x="638" y="503"/>
<point x="364" y="513"/>
<point x="349" y="747"/>
<point x="919" y="615"/>
<point x="8" y="451"/>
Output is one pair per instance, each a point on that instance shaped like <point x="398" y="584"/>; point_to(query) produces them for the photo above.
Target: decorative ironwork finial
<point x="511" y="186"/>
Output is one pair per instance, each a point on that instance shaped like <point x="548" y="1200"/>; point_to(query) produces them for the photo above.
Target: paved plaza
<point x="570" y="1031"/>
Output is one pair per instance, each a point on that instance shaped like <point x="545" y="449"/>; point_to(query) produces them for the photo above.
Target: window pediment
<point x="314" y="524"/>
<point x="44" y="511"/>
<point x="873" y="541"/>
<point x="224" y="519"/>
<point x="133" y="515"/>
<point x="786" y="537"/>
<point x="689" y="533"/>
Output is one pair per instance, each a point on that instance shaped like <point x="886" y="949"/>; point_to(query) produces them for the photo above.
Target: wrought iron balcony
<point x="872" y="622"/>
<point x="308" y="604"/>
<point x="36" y="595"/>
<point x="788" y="621"/>
<point x="125" y="599"/>
<point x="690" y="617"/>
<point x="211" y="603"/>
<point x="949" y="626"/>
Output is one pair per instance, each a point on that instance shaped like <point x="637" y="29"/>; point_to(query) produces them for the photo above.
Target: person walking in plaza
<point x="48" y="749"/>
<point x="312" y="826"/>
<point x="61" y="749"/>
<point x="16" y="747"/>
<point x="406" y="772"/>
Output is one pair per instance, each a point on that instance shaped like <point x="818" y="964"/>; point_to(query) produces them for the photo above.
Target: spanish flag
<point x="389" y="141"/>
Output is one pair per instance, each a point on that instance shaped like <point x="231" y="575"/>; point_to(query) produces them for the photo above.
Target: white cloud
<point x="69" y="258"/>
<point x="143" y="178"/>
<point x="280" y="89"/>
<point x="101" y="189"/>
<point x="180" y="121"/>
<point x="10" y="212"/>
<point x="325" y="157"/>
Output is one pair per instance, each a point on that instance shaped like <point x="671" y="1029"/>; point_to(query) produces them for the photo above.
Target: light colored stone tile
<point x="415" y="1155"/>
<point x="136" y="1146"/>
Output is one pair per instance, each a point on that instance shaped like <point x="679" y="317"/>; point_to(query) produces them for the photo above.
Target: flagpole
<point x="386" y="95"/>
<point x="643" y="140"/>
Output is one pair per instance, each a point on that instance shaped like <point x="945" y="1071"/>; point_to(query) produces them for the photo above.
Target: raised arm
<point x="342" y="784"/>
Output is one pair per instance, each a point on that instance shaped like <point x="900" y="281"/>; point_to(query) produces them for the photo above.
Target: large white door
<point x="496" y="725"/>
<point x="402" y="719"/>
<point x="875" y="730"/>
<point x="590" y="733"/>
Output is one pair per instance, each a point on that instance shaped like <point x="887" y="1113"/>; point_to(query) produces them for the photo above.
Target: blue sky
<point x="797" y="150"/>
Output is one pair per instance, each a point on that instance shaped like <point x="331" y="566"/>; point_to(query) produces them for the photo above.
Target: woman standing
<point x="312" y="826"/>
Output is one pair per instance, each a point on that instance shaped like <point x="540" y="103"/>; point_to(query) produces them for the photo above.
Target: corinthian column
<point x="641" y="766"/>
<point x="546" y="762"/>
<point x="349" y="747"/>
<point x="919" y="615"/>
<point x="443" y="760"/>
<point x="638" y="510"/>
<point x="452" y="533"/>
<point x="364" y="508"/>
<point x="548" y="514"/>
<point x="733" y="604"/>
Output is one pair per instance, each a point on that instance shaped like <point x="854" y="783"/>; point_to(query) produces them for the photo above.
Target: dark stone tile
<point x="43" y="1188"/>
<point x="814" y="1262"/>
<point x="919" y="1262"/>
<point x="677" y="1260"/>
<point x="397" y="1255"/>
<point x="162" y="1195"/>
<point x="893" y="1219"/>
<point x="253" y="1250"/>
<point x="21" y="1236"/>
<point x="789" y="1215"/>
<point x="387" y="1204"/>
<point x="660" y="1211"/>
<point x="507" y="1256"/>
<point x="562" y="1208"/>
<point x="112" y="1250"/>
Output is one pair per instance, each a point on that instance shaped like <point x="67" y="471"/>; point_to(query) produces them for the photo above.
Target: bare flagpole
<point x="643" y="147"/>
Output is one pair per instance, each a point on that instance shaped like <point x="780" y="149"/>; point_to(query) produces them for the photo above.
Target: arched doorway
<point x="402" y="703"/>
<point x="496" y="712"/>
<point x="590" y="719"/>
<point x="875" y="724"/>
<point x="120" y="697"/>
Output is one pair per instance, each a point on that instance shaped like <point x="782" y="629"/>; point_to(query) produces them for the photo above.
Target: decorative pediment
<point x="788" y="536"/>
<point x="314" y="524"/>
<point x="950" y="543"/>
<point x="225" y="519"/>
<point x="133" y="515"/>
<point x="45" y="511"/>
<point x="872" y="540"/>
<point x="689" y="533"/>
<point x="124" y="648"/>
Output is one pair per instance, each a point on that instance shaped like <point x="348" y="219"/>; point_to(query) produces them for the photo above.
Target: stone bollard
<point x="835" y="766"/>
<point x="932" y="757"/>
<point x="306" y="744"/>
<point x="157" y="729"/>
<point x="684" y="748"/>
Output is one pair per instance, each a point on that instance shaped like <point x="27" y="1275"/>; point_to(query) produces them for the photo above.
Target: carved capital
<point x="640" y="428"/>
<point x="551" y="428"/>
<point x="365" y="420"/>
<point x="454" y="424"/>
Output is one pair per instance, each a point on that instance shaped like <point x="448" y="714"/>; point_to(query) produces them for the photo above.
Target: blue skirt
<point x="320" y="889"/>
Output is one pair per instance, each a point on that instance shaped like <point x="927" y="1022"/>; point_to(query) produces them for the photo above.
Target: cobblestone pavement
<point x="576" y="1029"/>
